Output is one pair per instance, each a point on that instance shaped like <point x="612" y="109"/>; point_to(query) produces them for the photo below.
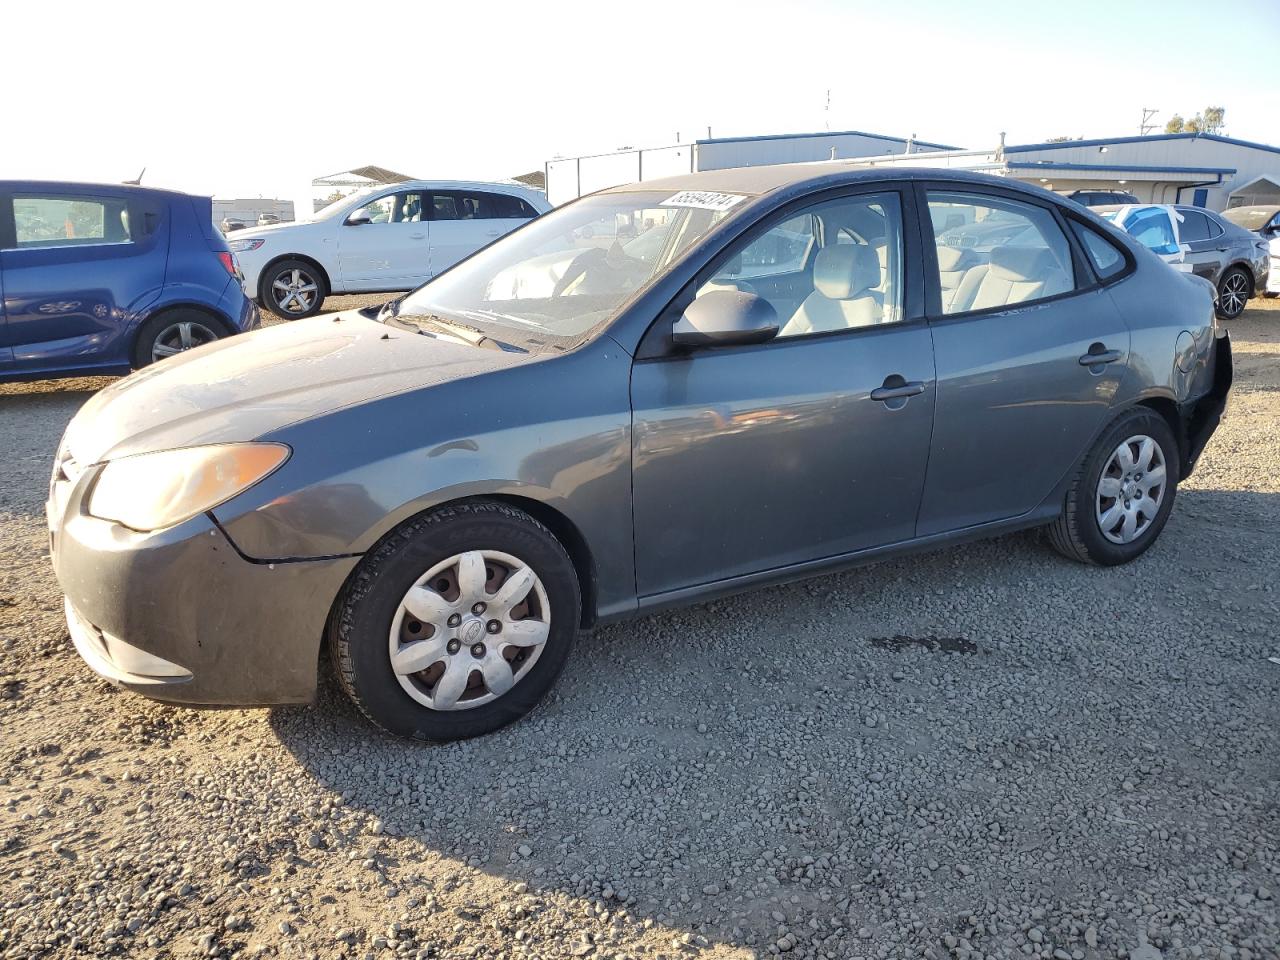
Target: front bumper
<point x="180" y="615"/>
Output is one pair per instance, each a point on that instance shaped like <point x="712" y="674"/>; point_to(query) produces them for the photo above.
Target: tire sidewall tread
<point x="1075" y="533"/>
<point x="358" y="631"/>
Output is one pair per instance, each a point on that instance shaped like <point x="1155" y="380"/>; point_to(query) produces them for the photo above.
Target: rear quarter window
<point x="1105" y="256"/>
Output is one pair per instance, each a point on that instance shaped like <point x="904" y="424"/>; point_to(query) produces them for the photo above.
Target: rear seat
<point x="1014" y="275"/>
<point x="953" y="263"/>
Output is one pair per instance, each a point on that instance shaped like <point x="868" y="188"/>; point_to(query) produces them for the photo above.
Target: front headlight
<point x="154" y="490"/>
<point x="243" y="246"/>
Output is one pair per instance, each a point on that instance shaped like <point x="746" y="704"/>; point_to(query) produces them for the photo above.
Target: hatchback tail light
<point x="229" y="261"/>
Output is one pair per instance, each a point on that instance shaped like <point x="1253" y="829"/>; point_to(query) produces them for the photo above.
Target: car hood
<point x="252" y="384"/>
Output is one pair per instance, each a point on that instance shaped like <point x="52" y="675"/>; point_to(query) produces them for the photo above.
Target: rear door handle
<point x="912" y="388"/>
<point x="417" y="236"/>
<point x="1102" y="356"/>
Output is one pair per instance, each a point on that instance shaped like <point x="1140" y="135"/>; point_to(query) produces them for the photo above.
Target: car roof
<point x="24" y="186"/>
<point x="799" y="177"/>
<point x="516" y="188"/>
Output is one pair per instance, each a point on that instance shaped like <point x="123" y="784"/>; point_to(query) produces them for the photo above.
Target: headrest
<point x="1022" y="263"/>
<point x="949" y="257"/>
<point x="843" y="271"/>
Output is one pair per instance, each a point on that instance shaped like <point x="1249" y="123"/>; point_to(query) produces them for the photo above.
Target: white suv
<point x="387" y="238"/>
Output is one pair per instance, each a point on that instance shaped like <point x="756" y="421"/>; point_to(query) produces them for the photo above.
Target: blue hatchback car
<point x="102" y="279"/>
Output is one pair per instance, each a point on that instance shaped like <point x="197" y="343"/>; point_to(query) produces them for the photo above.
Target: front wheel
<point x="458" y="623"/>
<point x="292" y="289"/>
<point x="1233" y="293"/>
<point x="1122" y="494"/>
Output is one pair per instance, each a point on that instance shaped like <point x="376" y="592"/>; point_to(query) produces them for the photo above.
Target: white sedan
<point x="388" y="238"/>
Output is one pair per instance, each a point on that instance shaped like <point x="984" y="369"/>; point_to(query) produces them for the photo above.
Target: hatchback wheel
<point x="457" y="623"/>
<point x="293" y="289"/>
<point x="174" y="332"/>
<point x="1233" y="293"/>
<point x="1122" y="494"/>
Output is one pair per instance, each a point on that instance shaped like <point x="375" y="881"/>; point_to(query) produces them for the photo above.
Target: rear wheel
<point x="292" y="289"/>
<point x="458" y="623"/>
<point x="173" y="332"/>
<point x="1123" y="492"/>
<point x="1234" y="290"/>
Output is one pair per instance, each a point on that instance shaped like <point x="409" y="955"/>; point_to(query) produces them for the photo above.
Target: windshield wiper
<point x="422" y="322"/>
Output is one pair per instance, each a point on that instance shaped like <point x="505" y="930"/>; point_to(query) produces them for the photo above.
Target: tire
<point x="1078" y="533"/>
<point x="370" y="620"/>
<point x="173" y="332"/>
<point x="292" y="289"/>
<point x="1234" y="290"/>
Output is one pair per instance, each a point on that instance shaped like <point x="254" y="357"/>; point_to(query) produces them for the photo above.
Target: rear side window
<point x="1107" y="260"/>
<point x="1194" y="226"/>
<point x="1005" y="251"/>
<point x="69" y="221"/>
<point x="508" y="207"/>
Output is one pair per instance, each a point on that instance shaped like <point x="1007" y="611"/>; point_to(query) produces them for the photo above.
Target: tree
<point x="1210" y="120"/>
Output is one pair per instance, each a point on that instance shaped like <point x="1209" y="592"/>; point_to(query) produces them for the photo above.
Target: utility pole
<point x="1147" y="126"/>
<point x="826" y="114"/>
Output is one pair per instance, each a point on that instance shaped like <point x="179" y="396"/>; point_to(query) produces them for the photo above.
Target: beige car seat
<point x="1014" y="275"/>
<point x="844" y="278"/>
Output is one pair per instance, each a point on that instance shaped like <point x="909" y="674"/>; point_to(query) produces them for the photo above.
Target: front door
<point x="1018" y="398"/>
<point x="384" y="244"/>
<point x="813" y="445"/>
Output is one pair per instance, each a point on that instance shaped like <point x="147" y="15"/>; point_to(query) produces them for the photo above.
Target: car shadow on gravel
<point x="816" y="750"/>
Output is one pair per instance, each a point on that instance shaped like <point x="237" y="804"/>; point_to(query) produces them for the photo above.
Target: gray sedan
<point x="1233" y="259"/>
<point x="795" y="375"/>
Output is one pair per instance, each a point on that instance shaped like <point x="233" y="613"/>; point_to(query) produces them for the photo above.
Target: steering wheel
<point x="577" y="267"/>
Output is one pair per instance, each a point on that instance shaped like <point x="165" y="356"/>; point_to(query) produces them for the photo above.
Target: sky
<point x="248" y="99"/>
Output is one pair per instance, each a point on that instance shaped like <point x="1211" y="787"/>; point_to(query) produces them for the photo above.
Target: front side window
<point x="568" y="270"/>
<point x="1006" y="252"/>
<point x="63" y="221"/>
<point x="394" y="208"/>
<point x="1152" y="228"/>
<point x="836" y="266"/>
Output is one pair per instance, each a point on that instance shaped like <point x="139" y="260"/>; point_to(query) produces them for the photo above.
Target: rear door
<point x="384" y="244"/>
<point x="1029" y="351"/>
<point x="1201" y="250"/>
<point x="6" y="240"/>
<point x="463" y="221"/>
<point x="77" y="265"/>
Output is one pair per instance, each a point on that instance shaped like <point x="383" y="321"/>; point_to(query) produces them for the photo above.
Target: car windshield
<point x="1251" y="218"/>
<point x="571" y="269"/>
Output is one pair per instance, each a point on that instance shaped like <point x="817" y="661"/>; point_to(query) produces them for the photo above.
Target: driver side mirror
<point x="721" y="318"/>
<point x="358" y="221"/>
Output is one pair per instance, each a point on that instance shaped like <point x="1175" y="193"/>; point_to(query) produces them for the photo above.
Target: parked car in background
<point x="230" y="225"/>
<point x="1100" y="198"/>
<point x="447" y="489"/>
<point x="1199" y="241"/>
<point x="99" y="279"/>
<point x="1265" y="222"/>
<point x="267" y="219"/>
<point x="383" y="239"/>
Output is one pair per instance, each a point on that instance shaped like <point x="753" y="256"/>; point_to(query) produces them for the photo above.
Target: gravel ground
<point x="987" y="751"/>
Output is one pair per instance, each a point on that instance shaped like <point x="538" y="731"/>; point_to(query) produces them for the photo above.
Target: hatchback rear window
<point x="66" y="221"/>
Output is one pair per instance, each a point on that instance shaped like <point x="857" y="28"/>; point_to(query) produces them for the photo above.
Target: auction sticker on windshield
<point x="703" y="200"/>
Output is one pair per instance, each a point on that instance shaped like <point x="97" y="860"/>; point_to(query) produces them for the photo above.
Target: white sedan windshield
<point x="568" y="270"/>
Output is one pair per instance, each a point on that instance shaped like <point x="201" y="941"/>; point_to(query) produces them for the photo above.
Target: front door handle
<point x="1093" y="359"/>
<point x="897" y="391"/>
